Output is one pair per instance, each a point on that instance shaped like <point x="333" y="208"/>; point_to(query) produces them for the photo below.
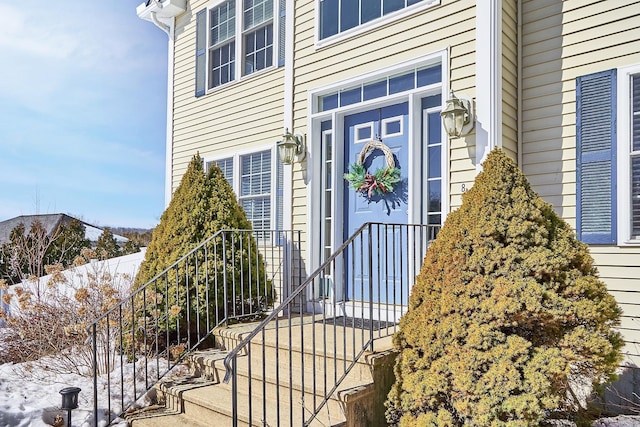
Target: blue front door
<point x="390" y="125"/>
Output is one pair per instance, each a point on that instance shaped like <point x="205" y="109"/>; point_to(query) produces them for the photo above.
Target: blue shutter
<point x="282" y="29"/>
<point x="596" y="157"/>
<point x="201" y="52"/>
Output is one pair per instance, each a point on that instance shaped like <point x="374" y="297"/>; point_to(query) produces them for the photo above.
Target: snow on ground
<point x="33" y="399"/>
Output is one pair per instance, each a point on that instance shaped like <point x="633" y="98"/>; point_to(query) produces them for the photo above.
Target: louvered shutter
<point x="282" y="28"/>
<point x="596" y="157"/>
<point x="201" y="52"/>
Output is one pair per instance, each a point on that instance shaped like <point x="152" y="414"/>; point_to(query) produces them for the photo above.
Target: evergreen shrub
<point x="507" y="315"/>
<point x="201" y="206"/>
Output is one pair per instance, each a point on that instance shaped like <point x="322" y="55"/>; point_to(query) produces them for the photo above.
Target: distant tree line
<point x="28" y="251"/>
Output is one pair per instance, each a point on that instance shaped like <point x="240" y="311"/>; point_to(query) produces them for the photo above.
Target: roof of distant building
<point x="50" y="222"/>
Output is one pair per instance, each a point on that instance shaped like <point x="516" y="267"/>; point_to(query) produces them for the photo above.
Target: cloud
<point x="33" y="36"/>
<point x="83" y="98"/>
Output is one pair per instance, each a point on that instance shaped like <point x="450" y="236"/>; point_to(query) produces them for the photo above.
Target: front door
<point x="388" y="125"/>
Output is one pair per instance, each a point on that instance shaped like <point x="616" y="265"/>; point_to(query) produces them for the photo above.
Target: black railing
<point x="357" y="295"/>
<point x="232" y="276"/>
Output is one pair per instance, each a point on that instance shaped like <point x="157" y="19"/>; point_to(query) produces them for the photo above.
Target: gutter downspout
<point x="164" y="27"/>
<point x="288" y="121"/>
<point x="170" y="31"/>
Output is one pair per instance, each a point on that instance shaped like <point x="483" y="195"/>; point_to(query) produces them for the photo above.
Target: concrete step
<point x="164" y="418"/>
<point x="203" y="401"/>
<point x="282" y="358"/>
<point x="277" y="381"/>
<point x="309" y="334"/>
<point x="285" y="369"/>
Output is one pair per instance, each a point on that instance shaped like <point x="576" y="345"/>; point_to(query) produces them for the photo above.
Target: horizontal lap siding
<point x="561" y="41"/>
<point x="244" y="114"/>
<point x="451" y="25"/>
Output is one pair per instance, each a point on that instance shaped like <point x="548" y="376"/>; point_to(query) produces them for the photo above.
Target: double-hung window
<point x="259" y="191"/>
<point x="608" y="156"/>
<point x="337" y="16"/>
<point x="255" y="188"/>
<point x="236" y="38"/>
<point x="222" y="44"/>
<point x="258" y="35"/>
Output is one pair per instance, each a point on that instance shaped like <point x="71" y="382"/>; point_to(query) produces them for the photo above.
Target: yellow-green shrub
<point x="506" y="313"/>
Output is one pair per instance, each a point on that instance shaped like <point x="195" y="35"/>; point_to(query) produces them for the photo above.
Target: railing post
<point x="95" y="373"/>
<point x="370" y="287"/>
<point x="234" y="393"/>
<point x="224" y="277"/>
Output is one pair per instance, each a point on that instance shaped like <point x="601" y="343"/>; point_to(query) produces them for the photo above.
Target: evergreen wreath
<point x="379" y="183"/>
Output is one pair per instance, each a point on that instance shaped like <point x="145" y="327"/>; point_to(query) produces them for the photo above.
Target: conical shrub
<point x="226" y="270"/>
<point x="507" y="314"/>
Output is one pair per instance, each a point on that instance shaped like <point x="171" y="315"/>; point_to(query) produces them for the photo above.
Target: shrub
<point x="506" y="317"/>
<point x="54" y="323"/>
<point x="202" y="205"/>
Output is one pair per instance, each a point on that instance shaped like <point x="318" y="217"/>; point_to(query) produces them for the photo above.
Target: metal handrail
<point x="345" y="262"/>
<point x="230" y="275"/>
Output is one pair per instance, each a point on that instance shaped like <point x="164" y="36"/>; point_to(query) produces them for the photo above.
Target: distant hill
<point x="142" y="236"/>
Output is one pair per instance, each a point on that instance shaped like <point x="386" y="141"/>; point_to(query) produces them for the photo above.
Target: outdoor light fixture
<point x="290" y="147"/>
<point x="69" y="401"/>
<point x="457" y="117"/>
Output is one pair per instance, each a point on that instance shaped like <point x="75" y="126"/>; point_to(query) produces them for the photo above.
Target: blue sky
<point x="82" y="111"/>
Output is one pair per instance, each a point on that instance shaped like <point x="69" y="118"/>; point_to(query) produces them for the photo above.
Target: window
<point x="255" y="188"/>
<point x="608" y="156"/>
<point x="337" y="16"/>
<point x="226" y="166"/>
<point x="389" y="85"/>
<point x="222" y="44"/>
<point x="250" y="175"/>
<point x="237" y="29"/>
<point x="634" y="154"/>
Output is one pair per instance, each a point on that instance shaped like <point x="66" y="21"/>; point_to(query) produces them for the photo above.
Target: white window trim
<point x="623" y="144"/>
<point x="388" y="120"/>
<point x="368" y="26"/>
<point x="425" y="61"/>
<point x="356" y="130"/>
<point x="237" y="177"/>
<point x="239" y="49"/>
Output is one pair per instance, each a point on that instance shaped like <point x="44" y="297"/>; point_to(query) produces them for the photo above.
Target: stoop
<point x="201" y="398"/>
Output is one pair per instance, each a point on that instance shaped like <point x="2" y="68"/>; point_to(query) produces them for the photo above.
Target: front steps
<point x="287" y="357"/>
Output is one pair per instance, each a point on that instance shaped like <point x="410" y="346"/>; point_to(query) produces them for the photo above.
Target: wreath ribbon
<point x="379" y="183"/>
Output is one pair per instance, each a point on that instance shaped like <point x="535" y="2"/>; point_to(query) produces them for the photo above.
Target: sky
<point x="82" y="112"/>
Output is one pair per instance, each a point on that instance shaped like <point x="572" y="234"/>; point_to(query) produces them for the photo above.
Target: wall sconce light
<point x="290" y="147"/>
<point x="457" y="117"/>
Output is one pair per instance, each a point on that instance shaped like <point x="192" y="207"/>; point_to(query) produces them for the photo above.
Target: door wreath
<point x="379" y="183"/>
